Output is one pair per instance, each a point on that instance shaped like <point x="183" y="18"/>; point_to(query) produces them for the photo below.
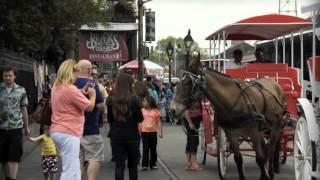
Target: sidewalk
<point x="29" y="146"/>
<point x="30" y="167"/>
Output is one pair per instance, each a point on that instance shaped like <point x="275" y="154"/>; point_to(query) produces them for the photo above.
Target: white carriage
<point x="306" y="139"/>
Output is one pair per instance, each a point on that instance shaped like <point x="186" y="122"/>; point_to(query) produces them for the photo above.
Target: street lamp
<point x="170" y="53"/>
<point x="188" y="41"/>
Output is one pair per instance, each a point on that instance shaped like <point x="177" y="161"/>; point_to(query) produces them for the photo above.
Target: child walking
<point x="150" y="125"/>
<point x="49" y="154"/>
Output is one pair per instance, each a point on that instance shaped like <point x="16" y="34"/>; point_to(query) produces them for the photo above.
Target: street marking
<point x="167" y="170"/>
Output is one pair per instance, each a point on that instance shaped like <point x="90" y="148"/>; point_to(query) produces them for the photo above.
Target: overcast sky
<point x="203" y="17"/>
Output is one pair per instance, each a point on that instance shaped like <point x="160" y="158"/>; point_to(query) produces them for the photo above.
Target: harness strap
<point x="260" y="89"/>
<point x="245" y="95"/>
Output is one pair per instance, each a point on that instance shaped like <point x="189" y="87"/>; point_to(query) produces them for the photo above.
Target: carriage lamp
<point x="170" y="53"/>
<point x="188" y="41"/>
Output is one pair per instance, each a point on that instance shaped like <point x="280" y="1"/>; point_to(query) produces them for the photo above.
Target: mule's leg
<point x="234" y="145"/>
<point x="274" y="149"/>
<point x="276" y="160"/>
<point x="257" y="140"/>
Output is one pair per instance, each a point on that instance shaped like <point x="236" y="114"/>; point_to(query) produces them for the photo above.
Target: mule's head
<point x="188" y="90"/>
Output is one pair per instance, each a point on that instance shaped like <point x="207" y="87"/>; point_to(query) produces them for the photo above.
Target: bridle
<point x="197" y="80"/>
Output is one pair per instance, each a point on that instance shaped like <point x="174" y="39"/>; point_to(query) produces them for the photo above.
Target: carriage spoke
<point x="301" y="139"/>
<point x="308" y="147"/>
<point x="301" y="173"/>
<point x="307" y="169"/>
<point x="300" y="147"/>
<point x="308" y="158"/>
<point x="299" y="163"/>
<point x="299" y="135"/>
<point x="305" y="141"/>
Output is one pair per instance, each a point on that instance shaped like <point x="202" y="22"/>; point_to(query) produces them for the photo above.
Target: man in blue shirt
<point x="166" y="90"/>
<point x="91" y="144"/>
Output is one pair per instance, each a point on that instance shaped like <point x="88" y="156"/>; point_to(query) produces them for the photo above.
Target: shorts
<point x="91" y="148"/>
<point x="11" y="148"/>
<point x="49" y="164"/>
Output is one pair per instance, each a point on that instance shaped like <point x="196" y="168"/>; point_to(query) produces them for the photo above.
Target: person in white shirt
<point x="237" y="55"/>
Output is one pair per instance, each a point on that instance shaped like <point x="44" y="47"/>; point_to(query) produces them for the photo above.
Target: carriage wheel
<point x="204" y="154"/>
<point x="304" y="151"/>
<point x="222" y="145"/>
<point x="283" y="158"/>
<point x="283" y="153"/>
<point x="203" y="146"/>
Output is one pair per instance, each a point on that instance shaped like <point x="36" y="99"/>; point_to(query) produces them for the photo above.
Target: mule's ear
<point x="195" y="63"/>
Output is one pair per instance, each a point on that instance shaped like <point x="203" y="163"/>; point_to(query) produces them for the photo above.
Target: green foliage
<point x="31" y="25"/>
<point x="180" y="48"/>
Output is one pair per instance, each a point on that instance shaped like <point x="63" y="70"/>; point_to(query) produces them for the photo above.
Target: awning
<point x="265" y="27"/>
<point x="150" y="68"/>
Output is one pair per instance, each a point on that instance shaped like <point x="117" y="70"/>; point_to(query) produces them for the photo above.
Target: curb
<point x="167" y="170"/>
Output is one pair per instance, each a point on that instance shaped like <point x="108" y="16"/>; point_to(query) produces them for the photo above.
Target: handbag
<point x="43" y="112"/>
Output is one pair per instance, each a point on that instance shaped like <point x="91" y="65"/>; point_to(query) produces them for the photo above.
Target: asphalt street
<point x="171" y="162"/>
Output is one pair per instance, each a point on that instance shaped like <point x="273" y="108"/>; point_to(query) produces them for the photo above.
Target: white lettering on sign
<point x="103" y="42"/>
<point x="114" y="56"/>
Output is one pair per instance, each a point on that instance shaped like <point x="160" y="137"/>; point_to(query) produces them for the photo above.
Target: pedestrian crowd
<point x="81" y="103"/>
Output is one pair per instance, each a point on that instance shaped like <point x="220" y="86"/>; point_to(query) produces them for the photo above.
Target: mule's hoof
<point x="277" y="170"/>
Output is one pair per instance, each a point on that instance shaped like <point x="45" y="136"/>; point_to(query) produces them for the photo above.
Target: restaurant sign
<point x="103" y="46"/>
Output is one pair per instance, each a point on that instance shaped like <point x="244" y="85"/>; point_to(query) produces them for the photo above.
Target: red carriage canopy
<point x="265" y="27"/>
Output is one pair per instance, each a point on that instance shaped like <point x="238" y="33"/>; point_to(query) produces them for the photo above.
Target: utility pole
<point x="140" y="38"/>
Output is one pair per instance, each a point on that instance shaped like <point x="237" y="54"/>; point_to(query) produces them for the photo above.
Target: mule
<point x="243" y="109"/>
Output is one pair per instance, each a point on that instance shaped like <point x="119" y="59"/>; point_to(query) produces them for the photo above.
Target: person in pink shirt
<point x="148" y="127"/>
<point x="68" y="104"/>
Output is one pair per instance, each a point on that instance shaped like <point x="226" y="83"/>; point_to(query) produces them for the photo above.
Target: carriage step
<point x="315" y="174"/>
<point x="211" y="151"/>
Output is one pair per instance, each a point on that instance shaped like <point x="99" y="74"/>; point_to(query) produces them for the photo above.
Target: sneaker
<point x="154" y="167"/>
<point x="144" y="168"/>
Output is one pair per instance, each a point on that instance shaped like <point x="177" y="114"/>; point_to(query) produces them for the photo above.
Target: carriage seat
<point x="287" y="77"/>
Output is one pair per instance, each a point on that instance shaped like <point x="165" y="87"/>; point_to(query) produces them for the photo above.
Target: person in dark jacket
<point x="124" y="115"/>
<point x="260" y="56"/>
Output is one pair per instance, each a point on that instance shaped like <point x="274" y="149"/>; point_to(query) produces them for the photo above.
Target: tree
<point x="160" y="53"/>
<point x="33" y="25"/>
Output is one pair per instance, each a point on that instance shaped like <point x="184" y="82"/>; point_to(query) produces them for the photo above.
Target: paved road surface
<point x="171" y="154"/>
<point x="30" y="167"/>
<point x="171" y="151"/>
